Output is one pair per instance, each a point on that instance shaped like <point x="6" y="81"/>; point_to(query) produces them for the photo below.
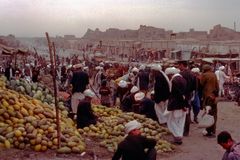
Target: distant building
<point x="69" y="36"/>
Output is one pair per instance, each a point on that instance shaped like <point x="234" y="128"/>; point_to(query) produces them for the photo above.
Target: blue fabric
<point x="196" y="104"/>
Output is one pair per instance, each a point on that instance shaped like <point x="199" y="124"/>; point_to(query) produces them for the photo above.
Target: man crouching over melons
<point x="85" y="115"/>
<point x="134" y="145"/>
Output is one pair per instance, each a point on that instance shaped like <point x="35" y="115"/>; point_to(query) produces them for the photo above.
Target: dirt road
<point x="197" y="147"/>
<point x="194" y="147"/>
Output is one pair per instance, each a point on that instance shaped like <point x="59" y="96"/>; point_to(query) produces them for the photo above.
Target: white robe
<point x="176" y="121"/>
<point x="161" y="107"/>
<point x="76" y="98"/>
<point x="176" y="118"/>
<point x="160" y="110"/>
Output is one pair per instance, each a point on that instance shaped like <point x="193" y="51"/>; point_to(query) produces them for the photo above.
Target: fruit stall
<point x="28" y="121"/>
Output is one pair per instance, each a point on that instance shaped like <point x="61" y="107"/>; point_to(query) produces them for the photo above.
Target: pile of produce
<point x="35" y="90"/>
<point x="26" y="122"/>
<point x="110" y="128"/>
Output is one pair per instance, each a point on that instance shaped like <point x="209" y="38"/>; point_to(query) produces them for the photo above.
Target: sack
<point x="206" y="121"/>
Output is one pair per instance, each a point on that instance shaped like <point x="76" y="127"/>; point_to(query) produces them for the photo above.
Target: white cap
<point x="85" y="68"/>
<point x="152" y="92"/>
<point x="27" y="65"/>
<point x="122" y="84"/>
<point x="221" y="68"/>
<point x="76" y="66"/>
<point x="172" y="70"/>
<point x="134" y="89"/>
<point x="195" y="70"/>
<point x="132" y="125"/>
<point x="142" y="67"/>
<point x="135" y="69"/>
<point x="156" y="67"/>
<point x="69" y="66"/>
<point x="139" y="96"/>
<point x="89" y="93"/>
<point x="101" y="64"/>
<point x="97" y="68"/>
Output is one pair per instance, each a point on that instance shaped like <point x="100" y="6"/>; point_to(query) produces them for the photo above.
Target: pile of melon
<point x="27" y="122"/>
<point x="110" y="128"/>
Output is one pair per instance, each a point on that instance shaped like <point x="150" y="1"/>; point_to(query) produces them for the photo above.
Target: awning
<point x="211" y="60"/>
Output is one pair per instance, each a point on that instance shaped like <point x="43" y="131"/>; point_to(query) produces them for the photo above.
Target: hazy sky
<point x="59" y="17"/>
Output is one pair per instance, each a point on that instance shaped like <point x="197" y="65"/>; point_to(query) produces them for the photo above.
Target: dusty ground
<point x="195" y="147"/>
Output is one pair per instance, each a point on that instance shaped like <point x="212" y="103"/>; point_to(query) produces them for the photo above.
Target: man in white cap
<point x="176" y="104"/>
<point x="161" y="92"/>
<point x="122" y="90"/>
<point x="129" y="100"/>
<point x="134" y="145"/>
<point x="79" y="83"/>
<point x="133" y="75"/>
<point x="142" y="80"/>
<point x="221" y="80"/>
<point x="144" y="106"/>
<point x="99" y="77"/>
<point x="85" y="115"/>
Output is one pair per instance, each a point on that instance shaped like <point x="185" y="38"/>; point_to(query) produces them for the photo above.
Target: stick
<point x="53" y="67"/>
<point x="94" y="91"/>
<point x="55" y="94"/>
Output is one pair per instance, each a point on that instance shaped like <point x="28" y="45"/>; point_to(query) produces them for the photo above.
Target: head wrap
<point x="134" y="89"/>
<point x="142" y="67"/>
<point x="221" y="68"/>
<point x="77" y="66"/>
<point x="89" y="93"/>
<point x="156" y="67"/>
<point x="132" y="125"/>
<point x="139" y="96"/>
<point x="172" y="70"/>
<point x="135" y="69"/>
<point x="195" y="70"/>
<point x="122" y="84"/>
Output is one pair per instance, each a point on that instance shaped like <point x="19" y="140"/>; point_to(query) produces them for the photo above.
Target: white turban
<point x="135" y="69"/>
<point x="156" y="67"/>
<point x="172" y="70"/>
<point x="69" y="66"/>
<point x="97" y="68"/>
<point x="76" y="66"/>
<point x="221" y="68"/>
<point x="152" y="92"/>
<point x="132" y="125"/>
<point x="139" y="96"/>
<point x="195" y="70"/>
<point x="142" y="67"/>
<point x="27" y="65"/>
<point x="122" y="84"/>
<point x="134" y="89"/>
<point x="89" y="93"/>
<point x="101" y="64"/>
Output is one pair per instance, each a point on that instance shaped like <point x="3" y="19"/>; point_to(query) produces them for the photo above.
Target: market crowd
<point x="166" y="94"/>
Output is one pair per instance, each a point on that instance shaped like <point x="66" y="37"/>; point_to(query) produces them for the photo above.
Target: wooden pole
<point x="55" y="93"/>
<point x="53" y="67"/>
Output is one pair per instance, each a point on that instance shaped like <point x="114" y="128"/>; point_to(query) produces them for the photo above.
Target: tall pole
<point x="51" y="47"/>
